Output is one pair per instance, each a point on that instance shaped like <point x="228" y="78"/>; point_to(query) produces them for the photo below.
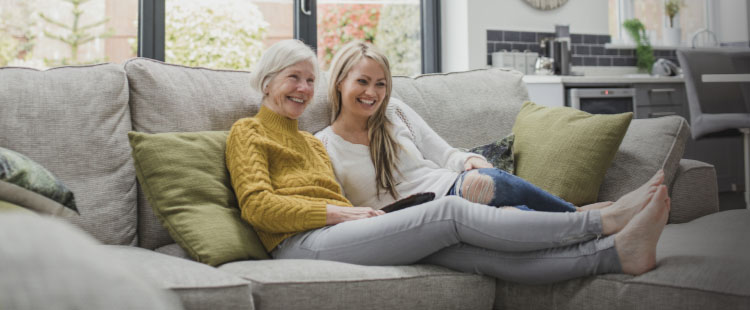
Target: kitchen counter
<point x="601" y="79"/>
<point x="550" y="90"/>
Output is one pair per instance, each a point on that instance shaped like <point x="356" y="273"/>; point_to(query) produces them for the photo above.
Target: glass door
<point x="224" y="34"/>
<point x="392" y="25"/>
<point x="50" y="33"/>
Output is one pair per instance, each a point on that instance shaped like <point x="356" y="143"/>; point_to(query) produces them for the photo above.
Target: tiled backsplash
<point x="587" y="49"/>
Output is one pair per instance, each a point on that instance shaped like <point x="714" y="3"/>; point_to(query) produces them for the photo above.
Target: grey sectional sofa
<point x="74" y="121"/>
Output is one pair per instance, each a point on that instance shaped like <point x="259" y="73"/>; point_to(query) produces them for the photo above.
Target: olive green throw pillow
<point x="566" y="151"/>
<point x="186" y="181"/>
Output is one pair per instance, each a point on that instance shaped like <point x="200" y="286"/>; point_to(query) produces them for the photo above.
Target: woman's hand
<point x="337" y="214"/>
<point x="476" y="163"/>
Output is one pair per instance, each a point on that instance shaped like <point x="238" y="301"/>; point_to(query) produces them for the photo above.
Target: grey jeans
<point x="525" y="247"/>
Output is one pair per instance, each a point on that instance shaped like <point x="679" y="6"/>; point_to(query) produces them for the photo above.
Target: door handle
<point x="660" y="114"/>
<point x="662" y="90"/>
<point x="305" y="7"/>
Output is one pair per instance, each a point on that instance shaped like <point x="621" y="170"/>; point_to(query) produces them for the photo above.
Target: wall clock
<point x="545" y="4"/>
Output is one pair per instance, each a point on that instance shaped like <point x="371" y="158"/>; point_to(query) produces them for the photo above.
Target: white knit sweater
<point x="426" y="162"/>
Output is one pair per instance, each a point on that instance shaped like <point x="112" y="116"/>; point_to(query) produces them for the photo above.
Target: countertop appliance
<point x="603" y="100"/>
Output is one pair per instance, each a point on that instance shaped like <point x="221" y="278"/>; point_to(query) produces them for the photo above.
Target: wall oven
<point x="602" y="100"/>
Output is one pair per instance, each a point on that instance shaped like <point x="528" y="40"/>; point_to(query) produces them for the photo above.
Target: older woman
<point x="287" y="190"/>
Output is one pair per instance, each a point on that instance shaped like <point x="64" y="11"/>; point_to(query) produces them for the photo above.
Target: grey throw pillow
<point x="26" y="183"/>
<point x="498" y="153"/>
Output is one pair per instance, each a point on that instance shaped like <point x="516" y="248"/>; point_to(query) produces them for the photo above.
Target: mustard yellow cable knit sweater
<point x="282" y="177"/>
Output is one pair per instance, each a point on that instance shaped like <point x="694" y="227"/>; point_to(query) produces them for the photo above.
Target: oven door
<point x="603" y="100"/>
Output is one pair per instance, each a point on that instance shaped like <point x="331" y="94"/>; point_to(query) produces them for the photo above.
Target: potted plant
<point x="672" y="32"/>
<point x="643" y="51"/>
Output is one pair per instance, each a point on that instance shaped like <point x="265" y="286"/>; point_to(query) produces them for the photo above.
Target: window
<point x="227" y="34"/>
<point x="224" y="34"/>
<point x="406" y="30"/>
<point x="394" y="26"/>
<point x="691" y="19"/>
<point x="49" y="33"/>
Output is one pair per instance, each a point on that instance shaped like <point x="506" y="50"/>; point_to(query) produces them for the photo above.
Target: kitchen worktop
<point x="600" y="79"/>
<point x="550" y="90"/>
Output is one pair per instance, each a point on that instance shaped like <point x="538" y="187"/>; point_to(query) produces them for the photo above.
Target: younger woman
<point x="382" y="150"/>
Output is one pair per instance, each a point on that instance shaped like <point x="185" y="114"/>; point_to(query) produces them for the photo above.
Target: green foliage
<point x="226" y="35"/>
<point x="75" y="35"/>
<point x="8" y="49"/>
<point x="672" y="7"/>
<point x="643" y="51"/>
<point x="16" y="36"/>
<point x="398" y="35"/>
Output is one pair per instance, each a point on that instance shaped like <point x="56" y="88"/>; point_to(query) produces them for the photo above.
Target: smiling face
<point x="363" y="89"/>
<point x="291" y="90"/>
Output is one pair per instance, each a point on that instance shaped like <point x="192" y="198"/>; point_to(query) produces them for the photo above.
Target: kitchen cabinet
<point x="663" y="99"/>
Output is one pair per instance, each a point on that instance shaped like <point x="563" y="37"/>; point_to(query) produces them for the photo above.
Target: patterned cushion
<point x="22" y="179"/>
<point x="499" y="153"/>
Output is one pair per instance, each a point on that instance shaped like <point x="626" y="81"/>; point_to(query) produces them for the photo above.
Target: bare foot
<point x="655" y="181"/>
<point x="636" y="243"/>
<point x="595" y="206"/>
<point x="616" y="216"/>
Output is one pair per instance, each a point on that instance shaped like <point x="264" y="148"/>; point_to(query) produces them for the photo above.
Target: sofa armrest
<point x="695" y="191"/>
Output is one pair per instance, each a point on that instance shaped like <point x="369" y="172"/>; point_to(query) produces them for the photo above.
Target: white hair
<point x="277" y="58"/>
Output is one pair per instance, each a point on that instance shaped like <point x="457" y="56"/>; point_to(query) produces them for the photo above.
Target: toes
<point x="661" y="193"/>
<point x="658" y="178"/>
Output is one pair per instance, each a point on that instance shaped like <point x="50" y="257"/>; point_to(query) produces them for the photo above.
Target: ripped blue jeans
<point x="495" y="187"/>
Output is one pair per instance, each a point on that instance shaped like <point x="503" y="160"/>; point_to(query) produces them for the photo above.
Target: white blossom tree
<point x="220" y="34"/>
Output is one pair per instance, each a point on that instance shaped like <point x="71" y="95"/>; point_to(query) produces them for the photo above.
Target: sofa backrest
<point x="74" y="121"/>
<point x="469" y="108"/>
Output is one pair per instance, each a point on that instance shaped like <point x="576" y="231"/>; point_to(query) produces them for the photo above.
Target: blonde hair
<point x="277" y="58"/>
<point x="383" y="147"/>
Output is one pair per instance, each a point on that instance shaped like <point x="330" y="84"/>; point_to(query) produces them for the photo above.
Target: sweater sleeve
<point x="260" y="203"/>
<point x="432" y="146"/>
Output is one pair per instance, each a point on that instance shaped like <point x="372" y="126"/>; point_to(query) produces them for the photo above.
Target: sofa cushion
<point x="317" y="284"/>
<point x="47" y="263"/>
<point x="649" y="145"/>
<point x="198" y="286"/>
<point x="74" y="122"/>
<point x="11" y="207"/>
<point x="27" y="183"/>
<point x="185" y="179"/>
<point x="173" y="98"/>
<point x="486" y="99"/>
<point x="700" y="265"/>
<point x="175" y="250"/>
<point x="566" y="151"/>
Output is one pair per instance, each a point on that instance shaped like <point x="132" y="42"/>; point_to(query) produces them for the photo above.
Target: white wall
<point x="454" y="39"/>
<point x="730" y="20"/>
<point x="469" y="43"/>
